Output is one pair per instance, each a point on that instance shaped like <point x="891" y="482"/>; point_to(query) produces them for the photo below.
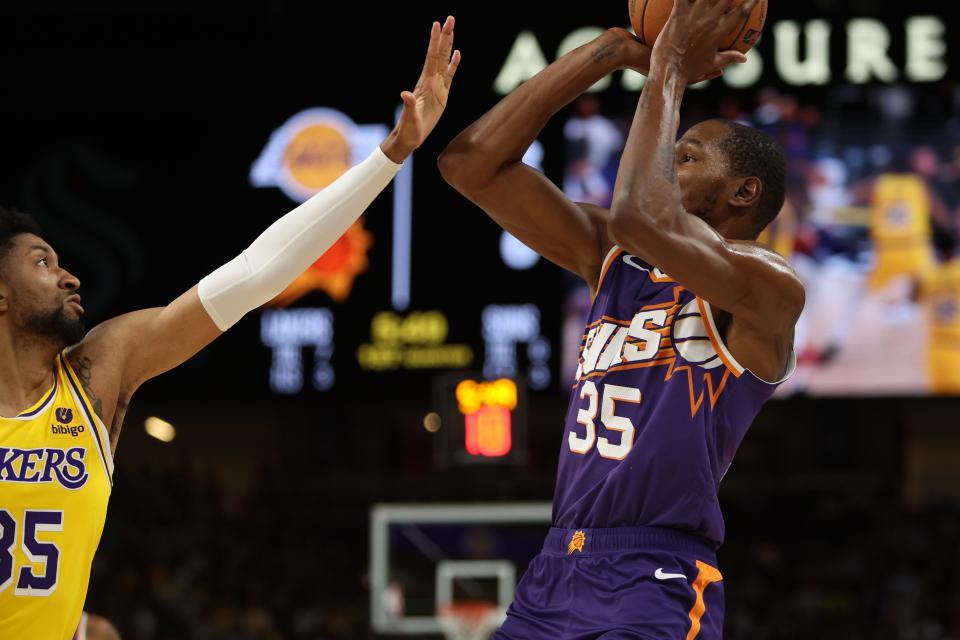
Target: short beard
<point x="58" y="326"/>
<point x="708" y="206"/>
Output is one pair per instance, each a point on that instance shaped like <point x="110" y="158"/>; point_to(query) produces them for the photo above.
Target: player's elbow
<point x="462" y="165"/>
<point x="638" y="219"/>
<point x="626" y="227"/>
<point x="450" y="165"/>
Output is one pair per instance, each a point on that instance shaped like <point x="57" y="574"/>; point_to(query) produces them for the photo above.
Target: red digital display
<point x="487" y="408"/>
<point x="488" y="432"/>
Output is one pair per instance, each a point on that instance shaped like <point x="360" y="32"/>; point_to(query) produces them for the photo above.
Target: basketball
<point x="649" y="16"/>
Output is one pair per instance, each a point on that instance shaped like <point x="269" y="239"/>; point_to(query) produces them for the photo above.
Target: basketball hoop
<point x="469" y="619"/>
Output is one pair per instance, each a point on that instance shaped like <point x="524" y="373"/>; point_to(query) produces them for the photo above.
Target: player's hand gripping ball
<point x="649" y="16"/>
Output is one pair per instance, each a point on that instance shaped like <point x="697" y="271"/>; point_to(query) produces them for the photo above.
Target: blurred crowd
<point x="183" y="559"/>
<point x="844" y="568"/>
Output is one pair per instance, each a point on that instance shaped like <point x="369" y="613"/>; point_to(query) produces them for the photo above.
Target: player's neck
<point x="735" y="229"/>
<point x="26" y="371"/>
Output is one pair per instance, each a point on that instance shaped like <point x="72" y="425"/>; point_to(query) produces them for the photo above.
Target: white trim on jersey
<point x="707" y="314"/>
<point x="107" y="456"/>
<point x="73" y="384"/>
<point x="105" y="438"/>
<point x="728" y="357"/>
<point x="606" y="263"/>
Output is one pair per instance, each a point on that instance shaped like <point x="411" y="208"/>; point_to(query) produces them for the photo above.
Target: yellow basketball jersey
<point x="900" y="228"/>
<point x="941" y="295"/>
<point x="55" y="479"/>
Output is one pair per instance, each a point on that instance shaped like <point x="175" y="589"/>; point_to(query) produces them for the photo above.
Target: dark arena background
<point x="381" y="442"/>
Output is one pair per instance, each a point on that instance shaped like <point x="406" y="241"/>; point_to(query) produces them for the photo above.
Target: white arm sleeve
<point x="293" y="243"/>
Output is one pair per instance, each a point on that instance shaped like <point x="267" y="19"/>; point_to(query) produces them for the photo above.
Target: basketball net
<point x="469" y="620"/>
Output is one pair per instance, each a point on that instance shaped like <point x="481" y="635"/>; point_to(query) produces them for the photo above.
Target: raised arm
<point x="120" y="354"/>
<point x="649" y="215"/>
<point x="484" y="161"/>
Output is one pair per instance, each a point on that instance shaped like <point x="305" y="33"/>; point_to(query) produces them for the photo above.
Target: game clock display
<point x="480" y="421"/>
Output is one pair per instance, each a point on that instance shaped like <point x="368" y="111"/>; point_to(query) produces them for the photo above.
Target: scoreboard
<point x="388" y="331"/>
<point x="484" y="421"/>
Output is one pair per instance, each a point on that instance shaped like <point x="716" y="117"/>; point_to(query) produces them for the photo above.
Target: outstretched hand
<point x="693" y="34"/>
<point x="423" y="106"/>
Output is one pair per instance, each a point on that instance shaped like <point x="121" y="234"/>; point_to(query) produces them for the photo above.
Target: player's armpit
<point x="484" y="162"/>
<point x="165" y="337"/>
<point x="128" y="350"/>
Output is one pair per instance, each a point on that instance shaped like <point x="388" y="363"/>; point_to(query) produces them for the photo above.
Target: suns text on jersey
<point x="35" y="466"/>
<point x="612" y="344"/>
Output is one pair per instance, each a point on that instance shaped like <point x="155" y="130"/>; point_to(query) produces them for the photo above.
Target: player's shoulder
<point x="111" y="339"/>
<point x="775" y="269"/>
<point x="762" y="253"/>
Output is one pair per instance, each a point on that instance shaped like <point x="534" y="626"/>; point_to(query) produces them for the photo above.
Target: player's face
<point x="39" y="295"/>
<point x="702" y="170"/>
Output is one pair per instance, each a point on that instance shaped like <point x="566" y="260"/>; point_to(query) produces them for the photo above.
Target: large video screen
<point x="870" y="225"/>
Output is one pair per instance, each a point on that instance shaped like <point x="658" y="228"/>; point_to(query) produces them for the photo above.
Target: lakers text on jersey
<point x="55" y="480"/>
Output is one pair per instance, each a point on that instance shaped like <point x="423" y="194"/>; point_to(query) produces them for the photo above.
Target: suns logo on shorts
<point x="576" y="542"/>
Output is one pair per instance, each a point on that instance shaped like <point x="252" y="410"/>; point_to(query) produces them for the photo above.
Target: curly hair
<point x="12" y="224"/>
<point x="750" y="152"/>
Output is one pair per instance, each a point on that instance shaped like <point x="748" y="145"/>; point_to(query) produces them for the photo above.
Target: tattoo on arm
<point x="606" y="49"/>
<point x="83" y="367"/>
<point x="667" y="149"/>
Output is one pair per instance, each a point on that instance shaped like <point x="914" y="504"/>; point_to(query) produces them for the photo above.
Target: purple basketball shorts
<point x="631" y="582"/>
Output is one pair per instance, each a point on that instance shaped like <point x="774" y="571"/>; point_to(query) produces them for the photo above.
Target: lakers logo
<point x="576" y="542"/>
<point x="304" y="156"/>
<point x="945" y="310"/>
<point x="898" y="214"/>
<point x="312" y="149"/>
<point x="317" y="155"/>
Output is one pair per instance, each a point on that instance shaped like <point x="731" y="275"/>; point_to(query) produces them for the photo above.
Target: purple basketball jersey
<point x="658" y="410"/>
